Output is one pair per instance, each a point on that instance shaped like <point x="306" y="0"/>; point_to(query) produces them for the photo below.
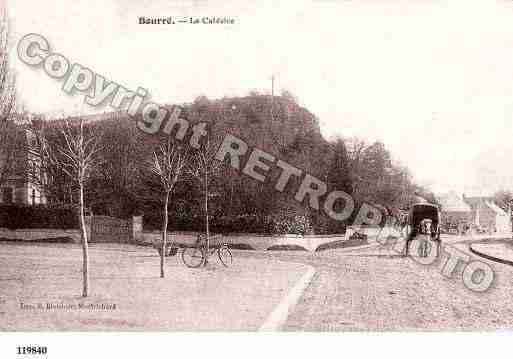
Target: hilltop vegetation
<point x="122" y="185"/>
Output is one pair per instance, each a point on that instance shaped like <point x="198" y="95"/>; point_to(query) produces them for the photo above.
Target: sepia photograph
<point x="192" y="166"/>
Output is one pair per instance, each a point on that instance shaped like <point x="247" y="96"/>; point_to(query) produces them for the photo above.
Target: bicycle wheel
<point x="192" y="257"/>
<point x="225" y="256"/>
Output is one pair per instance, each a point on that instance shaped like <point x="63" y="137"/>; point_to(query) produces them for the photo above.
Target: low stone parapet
<point x="249" y="241"/>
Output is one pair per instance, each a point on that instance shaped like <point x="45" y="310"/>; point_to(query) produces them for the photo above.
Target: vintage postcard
<point x="234" y="166"/>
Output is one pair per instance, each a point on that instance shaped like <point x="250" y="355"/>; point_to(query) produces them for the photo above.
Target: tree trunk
<point x="207" y="244"/>
<point x="85" y="247"/>
<point x="164" y="236"/>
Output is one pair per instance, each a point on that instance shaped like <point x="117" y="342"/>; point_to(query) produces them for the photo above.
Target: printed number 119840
<point x="31" y="350"/>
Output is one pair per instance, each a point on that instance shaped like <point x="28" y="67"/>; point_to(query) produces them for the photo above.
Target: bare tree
<point x="75" y="155"/>
<point x="169" y="162"/>
<point x="44" y="170"/>
<point x="9" y="134"/>
<point x="204" y="167"/>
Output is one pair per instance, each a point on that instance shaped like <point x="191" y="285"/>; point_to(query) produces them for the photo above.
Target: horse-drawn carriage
<point x="424" y="226"/>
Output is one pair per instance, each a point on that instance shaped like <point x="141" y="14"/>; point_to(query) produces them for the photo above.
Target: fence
<point x="110" y="229"/>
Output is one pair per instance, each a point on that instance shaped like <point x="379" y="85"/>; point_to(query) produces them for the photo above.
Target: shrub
<point x="358" y="236"/>
<point x="41" y="216"/>
<point x="298" y="224"/>
<point x="322" y="224"/>
<point x="242" y="224"/>
<point x="275" y="224"/>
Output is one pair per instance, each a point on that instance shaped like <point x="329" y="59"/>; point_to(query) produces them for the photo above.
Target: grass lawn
<point x="127" y="293"/>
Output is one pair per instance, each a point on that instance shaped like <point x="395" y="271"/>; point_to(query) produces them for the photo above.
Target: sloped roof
<point x="476" y="201"/>
<point x="485" y="203"/>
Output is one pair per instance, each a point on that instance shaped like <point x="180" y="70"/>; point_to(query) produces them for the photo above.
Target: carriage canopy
<point x="421" y="211"/>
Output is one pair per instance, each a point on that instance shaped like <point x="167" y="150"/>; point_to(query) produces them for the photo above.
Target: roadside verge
<point x="495" y="252"/>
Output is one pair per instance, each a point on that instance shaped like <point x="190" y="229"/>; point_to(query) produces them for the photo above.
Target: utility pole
<point x="272" y="98"/>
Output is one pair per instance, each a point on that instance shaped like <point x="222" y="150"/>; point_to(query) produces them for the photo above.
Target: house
<point x="15" y="161"/>
<point x="455" y="212"/>
<point x="488" y="216"/>
<point x="476" y="213"/>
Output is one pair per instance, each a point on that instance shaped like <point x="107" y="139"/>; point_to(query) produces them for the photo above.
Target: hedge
<point x="40" y="216"/>
<point x="237" y="224"/>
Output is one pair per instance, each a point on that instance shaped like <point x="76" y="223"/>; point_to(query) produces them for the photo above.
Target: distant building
<point x="16" y="186"/>
<point x="488" y="216"/>
<point x="476" y="213"/>
<point x="455" y="211"/>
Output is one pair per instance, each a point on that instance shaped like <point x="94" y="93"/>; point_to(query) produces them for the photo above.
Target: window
<point x="7" y="195"/>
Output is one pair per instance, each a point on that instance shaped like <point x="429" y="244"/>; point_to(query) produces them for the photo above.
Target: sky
<point x="433" y="80"/>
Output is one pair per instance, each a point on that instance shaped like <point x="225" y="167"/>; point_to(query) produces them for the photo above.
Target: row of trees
<point x="369" y="173"/>
<point x="121" y="186"/>
<point x="75" y="156"/>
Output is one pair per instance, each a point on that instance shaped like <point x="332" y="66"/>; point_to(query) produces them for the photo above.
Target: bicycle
<point x="194" y="257"/>
<point x="171" y="249"/>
